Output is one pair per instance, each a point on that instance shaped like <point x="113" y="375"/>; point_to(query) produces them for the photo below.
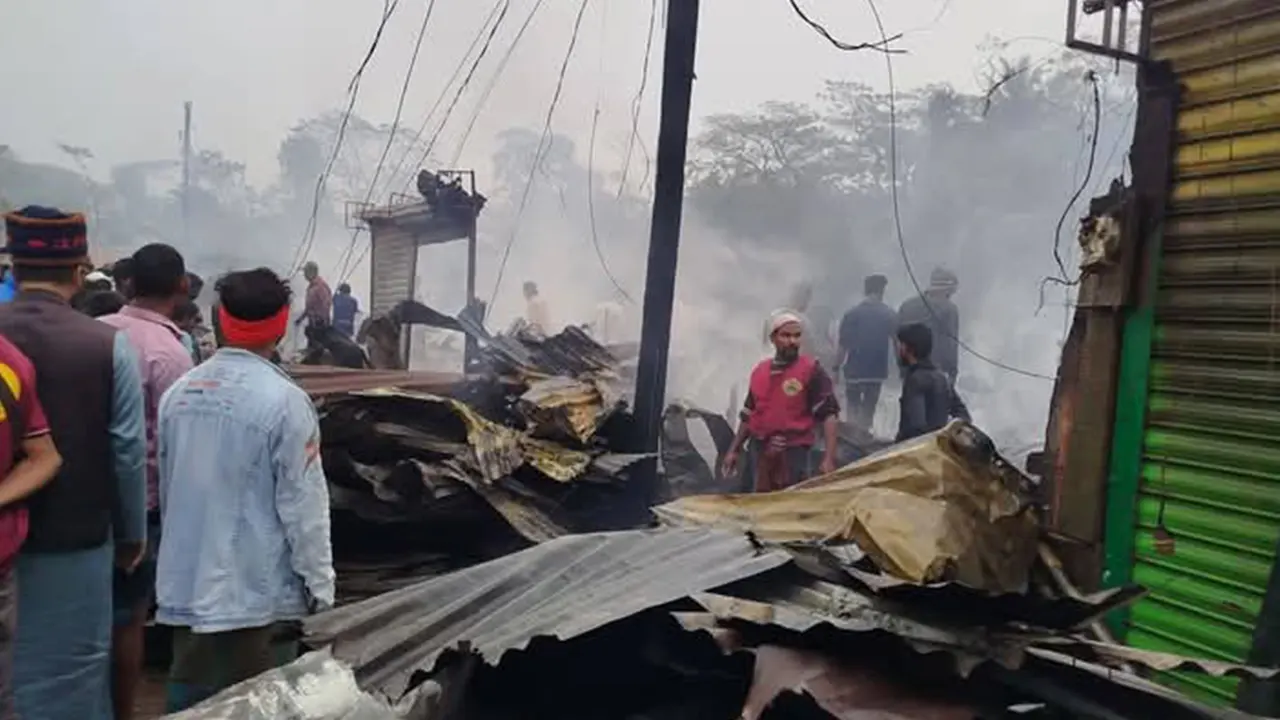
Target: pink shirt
<point x="163" y="359"/>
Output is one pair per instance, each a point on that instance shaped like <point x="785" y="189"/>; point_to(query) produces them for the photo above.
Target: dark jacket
<point x="866" y="334"/>
<point x="73" y="358"/>
<point x="943" y="318"/>
<point x="929" y="401"/>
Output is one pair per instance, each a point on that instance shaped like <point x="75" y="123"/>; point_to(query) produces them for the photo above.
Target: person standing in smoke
<point x="929" y="399"/>
<point x="790" y="396"/>
<point x="866" y="338"/>
<point x="934" y="309"/>
<point x="536" y="312"/>
<point x="243" y="497"/>
<point x="345" y="309"/>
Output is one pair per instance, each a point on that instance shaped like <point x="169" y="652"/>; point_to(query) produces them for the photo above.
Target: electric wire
<point x="1062" y="278"/>
<point x="638" y="99"/>
<point x="881" y="46"/>
<point x="353" y="91"/>
<point x="494" y="12"/>
<point x="493" y="82"/>
<point x="591" y="168"/>
<point x="466" y="82"/>
<point x="1115" y="147"/>
<point x="444" y="91"/>
<point x="1088" y="175"/>
<point x="897" y="212"/>
<point x="537" y="155"/>
<point x="395" y="127"/>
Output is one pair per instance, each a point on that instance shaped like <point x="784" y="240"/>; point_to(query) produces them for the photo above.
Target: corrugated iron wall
<point x="394" y="262"/>
<point x="1207" y="516"/>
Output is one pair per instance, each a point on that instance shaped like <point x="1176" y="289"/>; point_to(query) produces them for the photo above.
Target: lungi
<point x="62" y="649"/>
<point x="8" y="623"/>
<point x="770" y="469"/>
<point x="204" y="664"/>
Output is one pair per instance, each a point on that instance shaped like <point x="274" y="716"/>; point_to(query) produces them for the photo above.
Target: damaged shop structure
<point x="911" y="584"/>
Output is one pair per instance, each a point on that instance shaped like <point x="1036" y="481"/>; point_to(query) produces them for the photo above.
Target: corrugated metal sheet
<point x="1208" y="515"/>
<point x="942" y="507"/>
<point x="563" y="588"/>
<point x="322" y="380"/>
<point x="394" y="262"/>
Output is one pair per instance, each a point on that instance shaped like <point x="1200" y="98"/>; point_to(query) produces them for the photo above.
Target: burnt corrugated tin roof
<point x="563" y="588"/>
<point x="322" y="380"/>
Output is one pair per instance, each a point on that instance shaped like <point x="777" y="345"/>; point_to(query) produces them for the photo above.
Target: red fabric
<point x="13" y="519"/>
<point x="782" y="402"/>
<point x="253" y="333"/>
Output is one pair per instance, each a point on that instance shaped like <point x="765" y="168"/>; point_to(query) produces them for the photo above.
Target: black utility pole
<point x="186" y="177"/>
<point x="664" y="240"/>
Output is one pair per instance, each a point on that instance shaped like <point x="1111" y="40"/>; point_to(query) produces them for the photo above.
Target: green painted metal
<point x="1193" y="507"/>
<point x="1126" y="451"/>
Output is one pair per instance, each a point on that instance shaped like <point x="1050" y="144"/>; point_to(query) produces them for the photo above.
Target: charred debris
<point x="914" y="583"/>
<point x="431" y="472"/>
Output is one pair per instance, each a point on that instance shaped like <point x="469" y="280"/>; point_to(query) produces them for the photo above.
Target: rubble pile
<point x="440" y="473"/>
<point x="911" y="584"/>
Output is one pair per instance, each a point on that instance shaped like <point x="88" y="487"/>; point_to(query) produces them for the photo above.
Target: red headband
<point x="252" y="333"/>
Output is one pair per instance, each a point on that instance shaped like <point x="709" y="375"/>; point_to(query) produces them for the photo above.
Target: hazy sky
<point x="112" y="76"/>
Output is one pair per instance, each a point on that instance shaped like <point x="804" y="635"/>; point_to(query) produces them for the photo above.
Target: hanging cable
<point x="638" y="99"/>
<point x="881" y="46"/>
<point x="537" y="155"/>
<point x="498" y="11"/>
<point x="493" y="82"/>
<point x="466" y="82"/>
<point x="591" y="167"/>
<point x="1115" y="148"/>
<point x="897" y="211"/>
<point x="395" y="127"/>
<point x="1062" y="279"/>
<point x="1092" y="77"/>
<point x="457" y="71"/>
<point x="353" y="91"/>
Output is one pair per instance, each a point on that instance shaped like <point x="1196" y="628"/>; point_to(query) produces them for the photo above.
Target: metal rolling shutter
<point x="1211" y="447"/>
<point x="395" y="254"/>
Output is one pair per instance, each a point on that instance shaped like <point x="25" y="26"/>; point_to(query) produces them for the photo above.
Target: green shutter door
<point x="1207" y="519"/>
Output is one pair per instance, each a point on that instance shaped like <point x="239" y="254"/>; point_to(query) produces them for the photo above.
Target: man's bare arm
<point x="34" y="471"/>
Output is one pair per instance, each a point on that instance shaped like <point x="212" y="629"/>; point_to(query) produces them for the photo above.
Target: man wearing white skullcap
<point x="790" y="395"/>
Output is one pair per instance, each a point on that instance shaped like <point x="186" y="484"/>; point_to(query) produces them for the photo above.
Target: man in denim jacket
<point x="243" y="500"/>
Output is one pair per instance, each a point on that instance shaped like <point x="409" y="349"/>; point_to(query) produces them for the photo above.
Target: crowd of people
<point x="792" y="395"/>
<point x="148" y="464"/>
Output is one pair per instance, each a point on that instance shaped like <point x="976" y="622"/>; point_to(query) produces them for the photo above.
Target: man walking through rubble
<point x="160" y="287"/>
<point x="244" y="502"/>
<point x="790" y="395"/>
<point x="866" y="339"/>
<point x="929" y="399"/>
<point x="934" y="309"/>
<point x="317" y="308"/>
<point x="91" y="390"/>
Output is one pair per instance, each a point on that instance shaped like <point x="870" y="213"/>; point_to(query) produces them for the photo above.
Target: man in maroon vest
<point x="93" y="514"/>
<point x="790" y="395"/>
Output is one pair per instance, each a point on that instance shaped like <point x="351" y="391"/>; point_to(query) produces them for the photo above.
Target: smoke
<point x="981" y="195"/>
